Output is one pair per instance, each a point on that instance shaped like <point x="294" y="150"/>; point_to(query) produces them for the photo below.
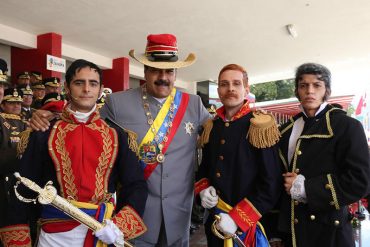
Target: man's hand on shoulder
<point x="40" y="120"/>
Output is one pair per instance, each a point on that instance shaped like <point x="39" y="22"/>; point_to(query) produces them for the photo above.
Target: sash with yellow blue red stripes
<point x="160" y="124"/>
<point x="253" y="237"/>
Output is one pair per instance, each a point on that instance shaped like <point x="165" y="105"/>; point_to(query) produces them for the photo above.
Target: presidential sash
<point x="154" y="145"/>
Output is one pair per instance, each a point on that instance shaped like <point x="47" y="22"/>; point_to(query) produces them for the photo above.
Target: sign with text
<point x="55" y="64"/>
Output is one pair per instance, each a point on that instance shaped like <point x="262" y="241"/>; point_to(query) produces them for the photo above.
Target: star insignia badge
<point x="189" y="128"/>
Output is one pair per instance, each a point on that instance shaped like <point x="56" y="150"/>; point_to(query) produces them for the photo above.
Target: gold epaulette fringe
<point x="132" y="141"/>
<point x="10" y="116"/>
<point x="23" y="141"/>
<point x="263" y="131"/>
<point x="204" y="137"/>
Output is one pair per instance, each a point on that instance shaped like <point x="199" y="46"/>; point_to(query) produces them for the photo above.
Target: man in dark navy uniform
<point x="326" y="158"/>
<point x="239" y="178"/>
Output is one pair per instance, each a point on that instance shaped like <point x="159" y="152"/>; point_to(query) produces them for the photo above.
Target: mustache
<point x="231" y="95"/>
<point x="161" y="82"/>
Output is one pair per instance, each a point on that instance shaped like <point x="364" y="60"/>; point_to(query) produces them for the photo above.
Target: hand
<point x="227" y="224"/>
<point x="276" y="243"/>
<point x="40" y="120"/>
<point x="209" y="197"/>
<point x="289" y="178"/>
<point x="110" y="234"/>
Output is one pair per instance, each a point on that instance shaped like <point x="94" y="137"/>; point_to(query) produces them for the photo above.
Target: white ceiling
<point x="248" y="32"/>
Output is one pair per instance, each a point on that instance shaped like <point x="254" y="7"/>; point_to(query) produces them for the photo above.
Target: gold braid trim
<point x="16" y="236"/>
<point x="263" y="131"/>
<point x="104" y="159"/>
<point x="23" y="142"/>
<point x="66" y="163"/>
<point x="333" y="192"/>
<point x="129" y="222"/>
<point x="204" y="137"/>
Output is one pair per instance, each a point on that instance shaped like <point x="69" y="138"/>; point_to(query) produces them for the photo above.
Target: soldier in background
<point x="26" y="112"/>
<point x="11" y="126"/>
<point x="23" y="79"/>
<point x="52" y="85"/>
<point x="35" y="76"/>
<point x="38" y="90"/>
<point x="4" y="84"/>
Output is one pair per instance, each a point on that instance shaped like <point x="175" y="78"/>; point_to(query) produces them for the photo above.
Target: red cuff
<point x="245" y="214"/>
<point x="16" y="235"/>
<point x="201" y="185"/>
<point x="129" y="222"/>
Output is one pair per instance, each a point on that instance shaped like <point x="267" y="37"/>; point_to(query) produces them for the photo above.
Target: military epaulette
<point x="132" y="136"/>
<point x="263" y="131"/>
<point x="204" y="137"/>
<point x="132" y="141"/>
<point x="23" y="142"/>
<point x="10" y="116"/>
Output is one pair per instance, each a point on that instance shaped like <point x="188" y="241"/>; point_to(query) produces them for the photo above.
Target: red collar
<point x="244" y="110"/>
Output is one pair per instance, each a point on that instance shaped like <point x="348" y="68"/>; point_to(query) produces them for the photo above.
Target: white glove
<point x="110" y="234"/>
<point x="227" y="224"/>
<point x="209" y="197"/>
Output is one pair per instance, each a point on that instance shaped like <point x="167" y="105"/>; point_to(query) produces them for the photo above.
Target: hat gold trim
<point x="191" y="58"/>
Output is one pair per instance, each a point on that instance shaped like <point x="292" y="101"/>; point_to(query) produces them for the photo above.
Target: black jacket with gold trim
<point x="10" y="127"/>
<point x="244" y="176"/>
<point x="86" y="163"/>
<point x="332" y="155"/>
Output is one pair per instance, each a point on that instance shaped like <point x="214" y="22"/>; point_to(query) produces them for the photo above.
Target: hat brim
<point x="164" y="65"/>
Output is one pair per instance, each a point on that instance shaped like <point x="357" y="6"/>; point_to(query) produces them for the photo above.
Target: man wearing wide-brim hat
<point x="166" y="121"/>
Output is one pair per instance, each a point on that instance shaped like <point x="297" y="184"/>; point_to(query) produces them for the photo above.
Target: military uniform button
<point x="218" y="174"/>
<point x="296" y="202"/>
<point x="7" y="179"/>
<point x="336" y="222"/>
<point x="312" y="217"/>
<point x="227" y="124"/>
<point x="327" y="186"/>
<point x="299" y="152"/>
<point x="222" y="141"/>
<point x="295" y="221"/>
<point x="296" y="170"/>
<point x="221" y="157"/>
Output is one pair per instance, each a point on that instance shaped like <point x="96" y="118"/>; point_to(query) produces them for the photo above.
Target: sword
<point x="234" y="236"/>
<point x="48" y="195"/>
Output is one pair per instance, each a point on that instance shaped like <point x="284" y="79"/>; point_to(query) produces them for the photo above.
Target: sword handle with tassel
<point x="48" y="195"/>
<point x="215" y="231"/>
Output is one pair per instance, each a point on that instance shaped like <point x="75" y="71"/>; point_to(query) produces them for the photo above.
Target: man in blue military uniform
<point x="326" y="160"/>
<point x="239" y="178"/>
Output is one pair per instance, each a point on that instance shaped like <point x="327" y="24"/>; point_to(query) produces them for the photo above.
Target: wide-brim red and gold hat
<point x="161" y="52"/>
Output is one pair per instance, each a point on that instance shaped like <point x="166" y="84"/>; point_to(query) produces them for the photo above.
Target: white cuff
<point x="298" y="191"/>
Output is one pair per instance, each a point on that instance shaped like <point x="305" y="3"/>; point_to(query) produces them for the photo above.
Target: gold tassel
<point x="23" y="141"/>
<point x="132" y="141"/>
<point x="204" y="137"/>
<point x="263" y="131"/>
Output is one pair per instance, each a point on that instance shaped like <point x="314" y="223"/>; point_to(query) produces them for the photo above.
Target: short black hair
<point x="322" y="73"/>
<point x="77" y="66"/>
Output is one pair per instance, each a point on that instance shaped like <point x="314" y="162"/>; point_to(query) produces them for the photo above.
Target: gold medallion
<point x="160" y="158"/>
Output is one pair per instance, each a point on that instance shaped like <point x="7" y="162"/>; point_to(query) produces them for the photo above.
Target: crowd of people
<point x="128" y="160"/>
